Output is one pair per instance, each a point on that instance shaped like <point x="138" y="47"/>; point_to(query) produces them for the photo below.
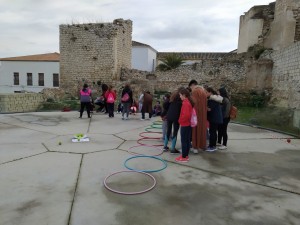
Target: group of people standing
<point x="212" y="110"/>
<point x="108" y="98"/>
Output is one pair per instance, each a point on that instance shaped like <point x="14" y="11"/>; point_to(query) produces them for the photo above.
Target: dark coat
<point x="166" y="105"/>
<point x="215" y="114"/>
<point x="174" y="111"/>
<point x="147" y="103"/>
<point x="129" y="92"/>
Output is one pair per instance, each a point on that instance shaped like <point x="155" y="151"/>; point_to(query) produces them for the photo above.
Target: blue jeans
<point x="185" y="133"/>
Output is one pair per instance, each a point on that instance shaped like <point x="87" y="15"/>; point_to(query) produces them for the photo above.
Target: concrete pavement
<point x="255" y="181"/>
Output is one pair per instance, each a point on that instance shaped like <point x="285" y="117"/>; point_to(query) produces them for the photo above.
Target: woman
<point x="85" y="100"/>
<point x="126" y="99"/>
<point x="222" y="128"/>
<point x="214" y="117"/>
<point x="185" y="124"/>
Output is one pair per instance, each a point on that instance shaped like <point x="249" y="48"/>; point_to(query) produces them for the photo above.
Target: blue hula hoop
<point x="146" y="171"/>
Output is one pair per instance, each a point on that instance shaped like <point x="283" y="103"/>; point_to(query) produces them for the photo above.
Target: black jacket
<point x="215" y="114"/>
<point x="165" y="108"/>
<point x="174" y="111"/>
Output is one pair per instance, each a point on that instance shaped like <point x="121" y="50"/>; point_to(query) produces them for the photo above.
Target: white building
<point x="30" y="73"/>
<point x="143" y="57"/>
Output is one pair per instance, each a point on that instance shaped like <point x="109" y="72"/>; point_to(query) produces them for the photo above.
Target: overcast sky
<point x="30" y="27"/>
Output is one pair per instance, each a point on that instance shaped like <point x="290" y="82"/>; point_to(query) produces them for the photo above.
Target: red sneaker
<point x="181" y="159"/>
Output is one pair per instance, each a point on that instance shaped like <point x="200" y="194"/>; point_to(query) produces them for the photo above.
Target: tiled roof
<point x="195" y="55"/>
<point x="49" y="57"/>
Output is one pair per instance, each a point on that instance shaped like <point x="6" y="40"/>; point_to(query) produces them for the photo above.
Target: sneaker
<point x="222" y="147"/>
<point x="142" y="119"/>
<point x="165" y="148"/>
<point x="211" y="149"/>
<point x="123" y="118"/>
<point x="195" y="151"/>
<point x="181" y="159"/>
<point x="126" y="118"/>
<point x="218" y="144"/>
<point x="174" y="151"/>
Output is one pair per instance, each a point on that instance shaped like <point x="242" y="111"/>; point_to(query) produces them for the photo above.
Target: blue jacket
<point x="215" y="114"/>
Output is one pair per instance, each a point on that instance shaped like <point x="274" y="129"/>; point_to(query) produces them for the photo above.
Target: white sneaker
<point x="142" y="119"/>
<point x="126" y="118"/>
<point x="218" y="144"/>
<point x="195" y="151"/>
<point x="222" y="147"/>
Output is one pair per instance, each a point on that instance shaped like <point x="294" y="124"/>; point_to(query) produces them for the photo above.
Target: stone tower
<point x="94" y="52"/>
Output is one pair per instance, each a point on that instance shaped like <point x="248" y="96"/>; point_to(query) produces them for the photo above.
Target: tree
<point x="171" y="61"/>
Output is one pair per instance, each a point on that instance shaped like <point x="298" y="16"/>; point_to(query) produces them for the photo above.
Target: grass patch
<point x="280" y="119"/>
<point x="59" y="105"/>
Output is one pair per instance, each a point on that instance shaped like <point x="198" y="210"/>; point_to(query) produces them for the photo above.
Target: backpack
<point x="110" y="98"/>
<point x="194" y="119"/>
<point x="233" y="112"/>
<point x="125" y="97"/>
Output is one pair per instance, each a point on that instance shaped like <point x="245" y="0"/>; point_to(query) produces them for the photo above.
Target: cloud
<point x="31" y="26"/>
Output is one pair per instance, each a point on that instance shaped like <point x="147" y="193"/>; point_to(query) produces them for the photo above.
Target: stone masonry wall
<point x="20" y="102"/>
<point x="231" y="73"/>
<point x="93" y="52"/>
<point x="286" y="76"/>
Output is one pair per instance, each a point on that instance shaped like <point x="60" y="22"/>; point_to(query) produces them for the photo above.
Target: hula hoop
<point x="129" y="193"/>
<point x="161" y="151"/>
<point x="156" y="126"/>
<point x="148" y="129"/>
<point x="146" y="171"/>
<point x="141" y="139"/>
<point x="141" y="135"/>
<point x="158" y="122"/>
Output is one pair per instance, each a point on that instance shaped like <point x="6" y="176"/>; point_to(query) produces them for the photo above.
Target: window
<point x="29" y="79"/>
<point x="41" y="79"/>
<point x="16" y="79"/>
<point x="55" y="80"/>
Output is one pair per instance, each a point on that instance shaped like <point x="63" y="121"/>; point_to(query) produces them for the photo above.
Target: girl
<point x="163" y="115"/>
<point x="222" y="128"/>
<point x="126" y="99"/>
<point x="172" y="118"/>
<point x="185" y="123"/>
<point x="85" y="100"/>
<point x="214" y="117"/>
<point x="110" y="96"/>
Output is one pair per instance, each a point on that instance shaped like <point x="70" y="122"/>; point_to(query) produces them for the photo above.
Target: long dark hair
<point x="211" y="90"/>
<point x="187" y="94"/>
<point x="175" y="97"/>
<point x="223" y="92"/>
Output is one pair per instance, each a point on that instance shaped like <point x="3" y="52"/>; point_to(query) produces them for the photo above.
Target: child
<point x="163" y="115"/>
<point x="110" y="96"/>
<point x="85" y="100"/>
<point x="185" y="123"/>
<point x="120" y="108"/>
<point x="214" y="117"/>
<point x="172" y="122"/>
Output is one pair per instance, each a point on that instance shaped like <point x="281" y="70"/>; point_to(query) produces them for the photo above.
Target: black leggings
<point x="86" y="105"/>
<point x="213" y="134"/>
<point x="222" y="131"/>
<point x="175" y="125"/>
